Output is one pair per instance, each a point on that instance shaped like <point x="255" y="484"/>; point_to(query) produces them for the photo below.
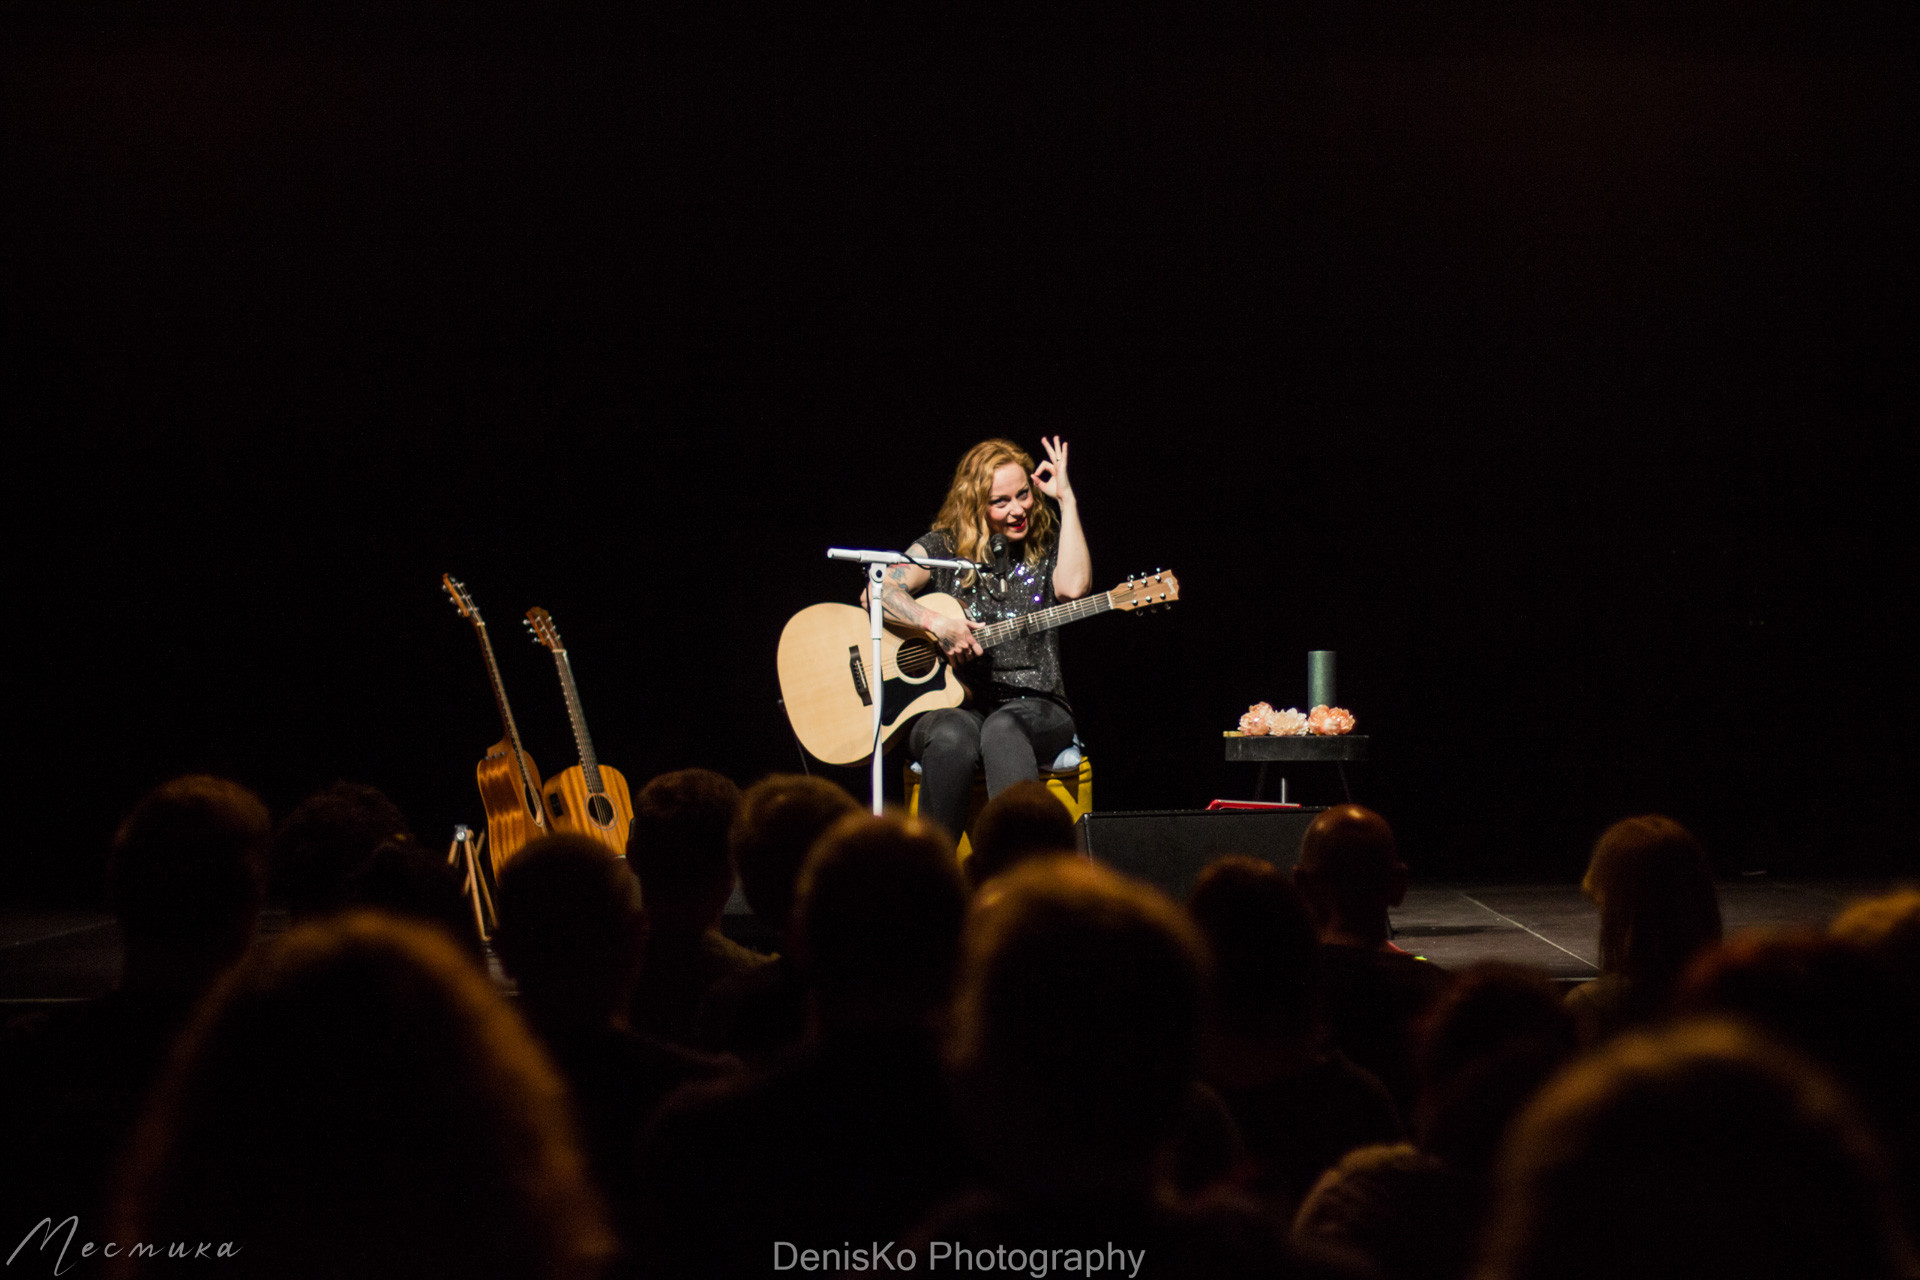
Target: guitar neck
<point x="506" y="717"/>
<point x="1044" y="619"/>
<point x="589" y="763"/>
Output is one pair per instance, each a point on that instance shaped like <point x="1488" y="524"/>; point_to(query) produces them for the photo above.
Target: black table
<point x="1334" y="749"/>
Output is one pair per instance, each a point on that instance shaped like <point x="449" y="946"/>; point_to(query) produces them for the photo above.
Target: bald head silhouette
<point x="1351" y="873"/>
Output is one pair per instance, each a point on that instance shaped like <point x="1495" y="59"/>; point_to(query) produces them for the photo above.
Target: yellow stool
<point x="1069" y="779"/>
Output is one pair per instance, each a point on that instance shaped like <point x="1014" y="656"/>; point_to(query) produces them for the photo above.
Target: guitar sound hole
<point x="917" y="658"/>
<point x="601" y="809"/>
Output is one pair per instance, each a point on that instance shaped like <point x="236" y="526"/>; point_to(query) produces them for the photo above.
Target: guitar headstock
<point x="540" y="622"/>
<point x="1146" y="591"/>
<point x="457" y="592"/>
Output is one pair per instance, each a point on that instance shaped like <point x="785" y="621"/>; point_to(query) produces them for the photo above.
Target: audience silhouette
<point x="572" y="937"/>
<point x="1031" y="1054"/>
<point x="325" y="840"/>
<point x="1888" y="926"/>
<point x="1487" y="1045"/>
<point x="1351" y="873"/>
<point x="358" y="1101"/>
<point x="1700" y="1150"/>
<point x="759" y="1013"/>
<point x="677" y="846"/>
<point x="1658" y="909"/>
<point x="1075" y="1040"/>
<point x="850" y="1137"/>
<point x="1413" y="1210"/>
<point x="1835" y="1003"/>
<point x="1024" y="821"/>
<point x="404" y="879"/>
<point x="185" y="879"/>
<point x="1300" y="1104"/>
<point x="348" y="846"/>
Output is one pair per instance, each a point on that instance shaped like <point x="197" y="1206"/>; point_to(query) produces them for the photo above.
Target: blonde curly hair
<point x="963" y="516"/>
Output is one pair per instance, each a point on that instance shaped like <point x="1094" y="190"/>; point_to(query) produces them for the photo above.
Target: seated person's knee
<point x="953" y="739"/>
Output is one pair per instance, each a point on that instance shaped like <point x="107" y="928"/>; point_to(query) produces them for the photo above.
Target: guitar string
<point x="576" y="714"/>
<point x="1048" y="618"/>
<point x="506" y="714"/>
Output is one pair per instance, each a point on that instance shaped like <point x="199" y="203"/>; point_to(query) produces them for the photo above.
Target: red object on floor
<point x="1249" y="804"/>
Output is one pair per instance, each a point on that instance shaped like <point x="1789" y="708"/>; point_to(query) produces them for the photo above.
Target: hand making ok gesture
<point x="1050" y="477"/>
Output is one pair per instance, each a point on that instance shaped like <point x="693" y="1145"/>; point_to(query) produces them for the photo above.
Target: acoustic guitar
<point x="825" y="651"/>
<point x="589" y="798"/>
<point x="509" y="782"/>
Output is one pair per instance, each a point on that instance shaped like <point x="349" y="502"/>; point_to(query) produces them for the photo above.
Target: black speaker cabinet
<point x="1168" y="847"/>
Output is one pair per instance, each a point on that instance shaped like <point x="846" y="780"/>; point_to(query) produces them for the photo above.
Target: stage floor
<point x="50" y="954"/>
<point x="1555" y="928"/>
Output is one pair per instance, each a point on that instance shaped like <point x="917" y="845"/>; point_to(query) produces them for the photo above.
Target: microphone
<point x="997" y="548"/>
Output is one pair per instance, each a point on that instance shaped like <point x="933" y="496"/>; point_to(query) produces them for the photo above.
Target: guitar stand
<point x="464" y="856"/>
<point x="877" y="563"/>
<point x="798" y="745"/>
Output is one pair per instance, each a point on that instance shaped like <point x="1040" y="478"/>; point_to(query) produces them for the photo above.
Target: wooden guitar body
<point x="509" y="780"/>
<point x="509" y="806"/>
<point x="604" y="815"/>
<point x="591" y="798"/>
<point x="825" y="651"/>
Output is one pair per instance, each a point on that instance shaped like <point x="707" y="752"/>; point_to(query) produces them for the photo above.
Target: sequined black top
<point x="1023" y="667"/>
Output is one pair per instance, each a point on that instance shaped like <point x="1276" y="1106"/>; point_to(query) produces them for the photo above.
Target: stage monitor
<point x="1169" y="847"/>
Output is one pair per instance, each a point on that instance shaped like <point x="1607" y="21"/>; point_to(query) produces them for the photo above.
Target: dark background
<point x="1550" y="363"/>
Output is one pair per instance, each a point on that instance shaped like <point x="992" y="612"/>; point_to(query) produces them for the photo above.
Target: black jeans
<point x="1012" y="739"/>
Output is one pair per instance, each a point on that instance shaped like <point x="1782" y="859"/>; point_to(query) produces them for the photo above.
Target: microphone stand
<point x="877" y="562"/>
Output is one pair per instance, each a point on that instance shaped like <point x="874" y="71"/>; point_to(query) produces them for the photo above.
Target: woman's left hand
<point x="1051" y="476"/>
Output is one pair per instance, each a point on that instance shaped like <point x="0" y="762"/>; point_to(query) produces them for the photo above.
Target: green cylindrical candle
<point x="1320" y="678"/>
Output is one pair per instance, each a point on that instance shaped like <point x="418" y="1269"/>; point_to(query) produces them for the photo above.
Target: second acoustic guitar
<point x="588" y="798"/>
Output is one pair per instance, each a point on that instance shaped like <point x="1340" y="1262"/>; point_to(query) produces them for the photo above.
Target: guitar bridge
<point x="859" y="670"/>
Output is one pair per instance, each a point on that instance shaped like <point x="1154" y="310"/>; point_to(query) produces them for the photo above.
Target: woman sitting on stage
<point x="1018" y="715"/>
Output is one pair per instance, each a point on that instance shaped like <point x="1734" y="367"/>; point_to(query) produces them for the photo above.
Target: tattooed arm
<point x="902" y="583"/>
